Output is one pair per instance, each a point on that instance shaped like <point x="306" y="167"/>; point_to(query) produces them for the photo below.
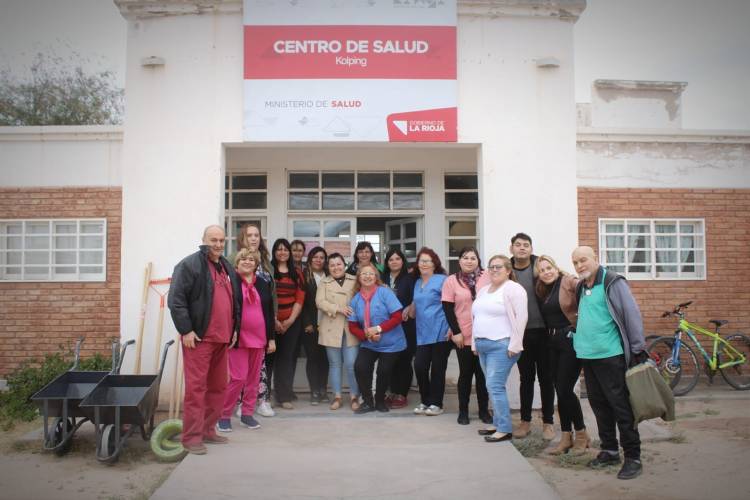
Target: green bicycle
<point x="678" y="364"/>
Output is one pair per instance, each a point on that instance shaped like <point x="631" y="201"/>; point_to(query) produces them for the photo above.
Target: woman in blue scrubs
<point x="433" y="347"/>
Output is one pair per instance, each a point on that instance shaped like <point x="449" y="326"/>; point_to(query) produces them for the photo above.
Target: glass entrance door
<point x="405" y="234"/>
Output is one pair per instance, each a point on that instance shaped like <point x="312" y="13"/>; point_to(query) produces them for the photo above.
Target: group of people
<point x="244" y="320"/>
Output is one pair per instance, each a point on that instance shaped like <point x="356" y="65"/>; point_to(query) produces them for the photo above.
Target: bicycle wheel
<point x="681" y="378"/>
<point x="738" y="376"/>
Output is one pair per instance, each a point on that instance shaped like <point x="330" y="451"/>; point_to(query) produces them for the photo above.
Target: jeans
<point x="610" y="400"/>
<point x="347" y="354"/>
<point x="364" y="367"/>
<point x="430" y="364"/>
<point x="468" y="366"/>
<point x="493" y="356"/>
<point x="534" y="361"/>
<point x="566" y="369"/>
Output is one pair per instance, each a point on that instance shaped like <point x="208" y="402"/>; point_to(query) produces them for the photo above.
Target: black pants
<point x="609" y="398"/>
<point x="469" y="368"/>
<point x="285" y="362"/>
<point x="316" y="366"/>
<point x="402" y="372"/>
<point x="534" y="362"/>
<point x="430" y="364"/>
<point x="566" y="369"/>
<point x="363" y="368"/>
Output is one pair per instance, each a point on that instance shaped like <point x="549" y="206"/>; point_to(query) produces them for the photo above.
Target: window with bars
<point x="53" y="250"/>
<point x="654" y="248"/>
<point x="353" y="190"/>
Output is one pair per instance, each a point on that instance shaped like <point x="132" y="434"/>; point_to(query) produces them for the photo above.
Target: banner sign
<point x="350" y="70"/>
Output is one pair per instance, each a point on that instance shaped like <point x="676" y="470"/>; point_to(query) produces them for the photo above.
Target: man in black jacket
<point x="205" y="301"/>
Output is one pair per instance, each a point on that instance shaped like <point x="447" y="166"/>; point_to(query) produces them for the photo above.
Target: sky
<point x="703" y="42"/>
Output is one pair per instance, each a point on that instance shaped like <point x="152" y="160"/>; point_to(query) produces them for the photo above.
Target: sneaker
<point x="364" y="408"/>
<point x="249" y="422"/>
<point x="224" y="425"/>
<point x="398" y="401"/>
<point x="433" y="411"/>
<point x="264" y="410"/>
<point x="604" y="459"/>
<point x="630" y="469"/>
<point x="420" y="409"/>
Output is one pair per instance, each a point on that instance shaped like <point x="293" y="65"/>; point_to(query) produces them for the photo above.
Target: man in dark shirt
<point x="534" y="360"/>
<point x="205" y="301"/>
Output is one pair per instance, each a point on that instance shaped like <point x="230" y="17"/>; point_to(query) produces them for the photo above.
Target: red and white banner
<point x="320" y="70"/>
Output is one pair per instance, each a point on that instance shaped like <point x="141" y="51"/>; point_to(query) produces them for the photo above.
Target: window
<point x="335" y="235"/>
<point x="461" y="192"/>
<point x="360" y="191"/>
<point x="462" y="232"/>
<point x="654" y="248"/>
<point x="53" y="250"/>
<point x="232" y="227"/>
<point x="245" y="192"/>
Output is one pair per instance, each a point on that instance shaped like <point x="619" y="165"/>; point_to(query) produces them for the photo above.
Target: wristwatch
<point x="380" y="330"/>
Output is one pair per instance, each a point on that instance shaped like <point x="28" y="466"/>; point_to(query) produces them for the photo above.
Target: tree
<point x="59" y="94"/>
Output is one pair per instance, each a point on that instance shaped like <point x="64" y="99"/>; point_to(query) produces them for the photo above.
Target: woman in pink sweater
<point x="499" y="316"/>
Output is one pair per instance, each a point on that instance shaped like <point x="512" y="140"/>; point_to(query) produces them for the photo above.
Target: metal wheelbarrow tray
<point x="60" y="399"/>
<point x="119" y="401"/>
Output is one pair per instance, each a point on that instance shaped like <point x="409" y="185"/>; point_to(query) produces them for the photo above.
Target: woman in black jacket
<point x="317" y="361"/>
<point x="396" y="276"/>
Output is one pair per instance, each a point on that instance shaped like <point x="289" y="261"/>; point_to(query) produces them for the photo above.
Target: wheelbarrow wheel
<point x="62" y="438"/>
<point x="108" y="445"/>
<point x="164" y="443"/>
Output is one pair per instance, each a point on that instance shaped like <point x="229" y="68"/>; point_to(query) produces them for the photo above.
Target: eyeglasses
<point x="422" y="261"/>
<point x="496" y="267"/>
<point x="367" y="274"/>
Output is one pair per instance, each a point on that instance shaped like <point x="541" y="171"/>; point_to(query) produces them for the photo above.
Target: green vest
<point x="597" y="335"/>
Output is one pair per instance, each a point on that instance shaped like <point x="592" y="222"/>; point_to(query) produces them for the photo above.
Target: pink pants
<point x="205" y="381"/>
<point x="244" y="373"/>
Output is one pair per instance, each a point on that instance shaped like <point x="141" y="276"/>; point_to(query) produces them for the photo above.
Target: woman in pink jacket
<point x="499" y="316"/>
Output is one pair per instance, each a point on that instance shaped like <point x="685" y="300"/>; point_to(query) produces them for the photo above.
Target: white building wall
<point x="654" y="159"/>
<point x="60" y="156"/>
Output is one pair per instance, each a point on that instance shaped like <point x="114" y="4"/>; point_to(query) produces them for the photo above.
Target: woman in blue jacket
<point x="376" y="321"/>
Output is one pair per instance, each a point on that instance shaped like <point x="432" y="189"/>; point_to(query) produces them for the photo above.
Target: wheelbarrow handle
<point x="77" y="352"/>
<point x="164" y="357"/>
<point x="121" y="356"/>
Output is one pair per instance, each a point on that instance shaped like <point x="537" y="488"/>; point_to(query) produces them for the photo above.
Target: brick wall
<point x="725" y="294"/>
<point x="38" y="318"/>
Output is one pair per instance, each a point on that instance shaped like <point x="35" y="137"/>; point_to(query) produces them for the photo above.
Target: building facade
<point x="667" y="207"/>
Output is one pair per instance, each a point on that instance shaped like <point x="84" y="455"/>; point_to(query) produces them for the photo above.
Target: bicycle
<point x="676" y="360"/>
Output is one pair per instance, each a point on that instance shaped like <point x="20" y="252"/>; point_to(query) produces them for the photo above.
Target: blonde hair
<point x="369" y="265"/>
<point x="542" y="289"/>
<point x="506" y="264"/>
<point x="246" y="253"/>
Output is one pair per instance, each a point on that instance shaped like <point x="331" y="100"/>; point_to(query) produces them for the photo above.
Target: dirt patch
<point x="707" y="457"/>
<point x="27" y="472"/>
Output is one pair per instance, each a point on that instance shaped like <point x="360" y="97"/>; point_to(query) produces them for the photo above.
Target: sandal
<point x="336" y="403"/>
<point x="355" y="404"/>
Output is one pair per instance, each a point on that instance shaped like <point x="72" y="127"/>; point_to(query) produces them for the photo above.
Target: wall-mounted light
<point x="548" y="62"/>
<point x="152" y="61"/>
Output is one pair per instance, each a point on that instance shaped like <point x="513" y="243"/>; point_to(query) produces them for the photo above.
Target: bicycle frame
<point x="737" y="358"/>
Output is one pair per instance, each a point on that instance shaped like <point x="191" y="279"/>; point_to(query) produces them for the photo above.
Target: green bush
<point x="15" y="404"/>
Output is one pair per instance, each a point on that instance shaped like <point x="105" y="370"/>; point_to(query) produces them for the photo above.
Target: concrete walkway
<point x="312" y="452"/>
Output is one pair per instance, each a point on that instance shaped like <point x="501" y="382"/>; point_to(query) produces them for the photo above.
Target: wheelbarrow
<point x="120" y="404"/>
<point x="60" y="399"/>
